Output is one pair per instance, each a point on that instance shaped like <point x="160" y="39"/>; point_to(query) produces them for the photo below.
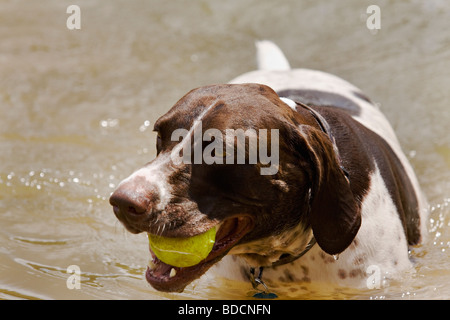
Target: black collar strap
<point x="257" y="281"/>
<point x="286" y="258"/>
<point x="325" y="127"/>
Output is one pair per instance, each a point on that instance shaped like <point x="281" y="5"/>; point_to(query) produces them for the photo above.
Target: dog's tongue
<point x="158" y="267"/>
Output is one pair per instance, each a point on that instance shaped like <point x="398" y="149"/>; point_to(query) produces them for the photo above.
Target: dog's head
<point x="238" y="158"/>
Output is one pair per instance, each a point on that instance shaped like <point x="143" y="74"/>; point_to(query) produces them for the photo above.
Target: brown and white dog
<point x="339" y="183"/>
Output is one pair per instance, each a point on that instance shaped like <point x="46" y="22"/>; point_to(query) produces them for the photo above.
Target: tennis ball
<point x="183" y="252"/>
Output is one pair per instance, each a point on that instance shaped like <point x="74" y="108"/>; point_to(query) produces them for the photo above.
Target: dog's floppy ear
<point x="335" y="216"/>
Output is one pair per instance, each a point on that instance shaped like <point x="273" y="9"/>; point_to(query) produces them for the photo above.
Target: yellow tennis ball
<point x="183" y="252"/>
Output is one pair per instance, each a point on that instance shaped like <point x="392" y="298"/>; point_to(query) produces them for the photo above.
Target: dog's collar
<point x="284" y="259"/>
<point x="325" y="127"/>
<point x="287" y="258"/>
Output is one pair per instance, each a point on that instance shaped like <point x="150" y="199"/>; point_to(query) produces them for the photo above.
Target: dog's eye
<point x="220" y="153"/>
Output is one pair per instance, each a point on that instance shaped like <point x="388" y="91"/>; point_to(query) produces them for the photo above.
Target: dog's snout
<point x="132" y="206"/>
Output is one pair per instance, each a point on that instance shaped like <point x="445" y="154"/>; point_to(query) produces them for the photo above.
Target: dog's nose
<point x="132" y="206"/>
<point x="129" y="202"/>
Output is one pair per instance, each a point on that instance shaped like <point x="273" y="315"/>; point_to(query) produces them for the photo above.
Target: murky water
<point x="77" y="108"/>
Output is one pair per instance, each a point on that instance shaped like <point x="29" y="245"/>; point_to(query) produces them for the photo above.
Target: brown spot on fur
<point x="289" y="276"/>
<point x="356" y="273"/>
<point x="342" y="274"/>
<point x="359" y="260"/>
<point x="305" y="270"/>
<point x="326" y="258"/>
<point x="305" y="279"/>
